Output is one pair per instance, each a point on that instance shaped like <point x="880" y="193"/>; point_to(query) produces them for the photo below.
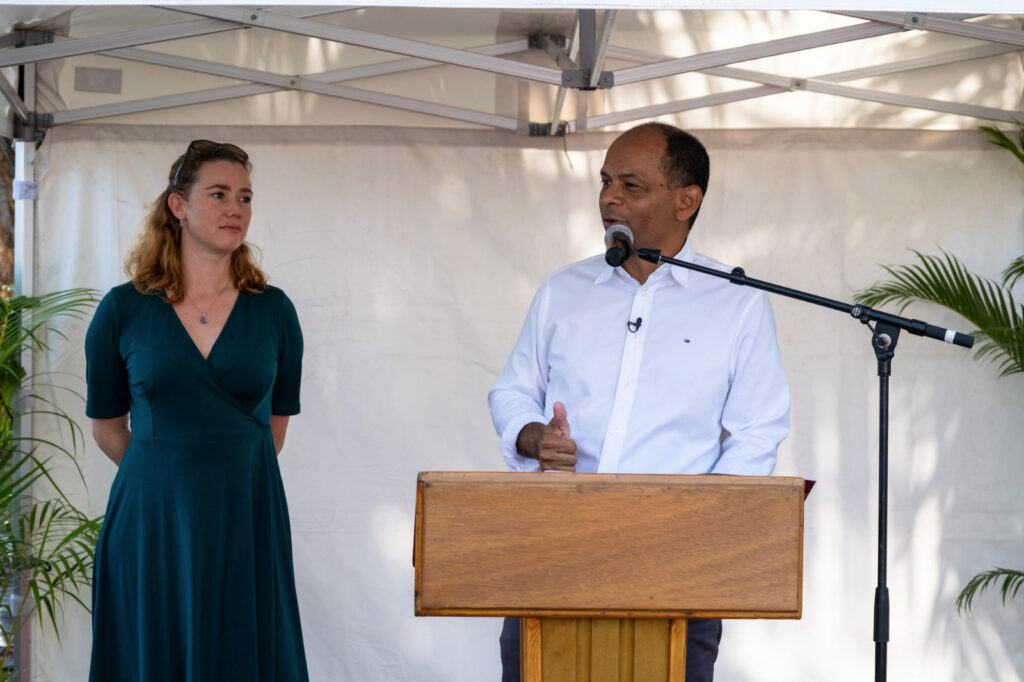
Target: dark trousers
<point x="702" y="639"/>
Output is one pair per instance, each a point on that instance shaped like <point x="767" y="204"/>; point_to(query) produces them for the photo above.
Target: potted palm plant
<point x="998" y="327"/>
<point x="46" y="544"/>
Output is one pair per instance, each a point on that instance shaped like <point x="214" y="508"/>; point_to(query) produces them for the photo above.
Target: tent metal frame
<point x="826" y="83"/>
<point x="577" y="65"/>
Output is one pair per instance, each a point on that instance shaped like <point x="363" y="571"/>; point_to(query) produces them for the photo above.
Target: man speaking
<point x="644" y="368"/>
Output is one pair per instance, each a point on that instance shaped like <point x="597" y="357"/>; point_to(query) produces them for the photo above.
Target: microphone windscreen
<point x="615" y="256"/>
<point x="617" y="231"/>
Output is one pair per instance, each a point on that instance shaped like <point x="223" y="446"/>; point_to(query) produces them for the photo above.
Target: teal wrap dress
<point x="193" y="580"/>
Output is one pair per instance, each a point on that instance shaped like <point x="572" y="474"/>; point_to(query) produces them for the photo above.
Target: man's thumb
<point x="561" y="419"/>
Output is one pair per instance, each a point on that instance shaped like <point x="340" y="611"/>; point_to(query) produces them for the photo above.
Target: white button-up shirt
<point x="697" y="388"/>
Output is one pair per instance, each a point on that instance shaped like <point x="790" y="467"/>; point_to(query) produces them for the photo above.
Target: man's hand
<point x="549" y="443"/>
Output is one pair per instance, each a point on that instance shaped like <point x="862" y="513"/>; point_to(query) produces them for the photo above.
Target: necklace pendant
<point x="202" y="319"/>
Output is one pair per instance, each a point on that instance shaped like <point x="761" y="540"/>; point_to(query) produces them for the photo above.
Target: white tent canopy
<point x="515" y="68"/>
<point x="410" y="198"/>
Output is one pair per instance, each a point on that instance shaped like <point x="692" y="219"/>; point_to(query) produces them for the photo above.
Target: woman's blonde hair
<point x="154" y="263"/>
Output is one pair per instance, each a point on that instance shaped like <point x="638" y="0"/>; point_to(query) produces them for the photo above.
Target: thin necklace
<point x="202" y="313"/>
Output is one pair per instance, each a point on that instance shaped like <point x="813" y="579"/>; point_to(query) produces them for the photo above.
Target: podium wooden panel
<point x="608" y="547"/>
<point x="603" y="649"/>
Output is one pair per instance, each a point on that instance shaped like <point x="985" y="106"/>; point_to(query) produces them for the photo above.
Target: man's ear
<point x="176" y="203"/>
<point x="688" y="200"/>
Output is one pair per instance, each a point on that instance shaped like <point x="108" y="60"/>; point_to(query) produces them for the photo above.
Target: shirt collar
<point x="680" y="275"/>
<point x="687" y="253"/>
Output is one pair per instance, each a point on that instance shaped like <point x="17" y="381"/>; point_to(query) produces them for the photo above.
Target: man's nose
<point x="610" y="195"/>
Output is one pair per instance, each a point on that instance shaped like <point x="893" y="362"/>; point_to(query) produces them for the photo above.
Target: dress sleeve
<point x="105" y="372"/>
<point x="285" y="401"/>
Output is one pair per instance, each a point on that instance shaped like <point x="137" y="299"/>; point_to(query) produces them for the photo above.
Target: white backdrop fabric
<point x="412" y="256"/>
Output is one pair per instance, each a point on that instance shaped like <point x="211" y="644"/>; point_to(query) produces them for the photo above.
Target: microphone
<point x="619" y="241"/>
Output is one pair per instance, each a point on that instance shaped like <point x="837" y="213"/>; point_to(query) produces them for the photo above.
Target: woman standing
<point x="193" y="577"/>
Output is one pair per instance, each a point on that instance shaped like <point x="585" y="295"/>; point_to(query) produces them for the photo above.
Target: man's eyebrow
<point x="628" y="174"/>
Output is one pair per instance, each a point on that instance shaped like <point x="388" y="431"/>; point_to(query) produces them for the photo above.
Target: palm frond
<point x="24" y="318"/>
<point x="25" y="321"/>
<point x="45" y="408"/>
<point x="46" y="547"/>
<point x="18" y="472"/>
<point x="52" y="548"/>
<point x="1012" y="581"/>
<point x="988" y="305"/>
<point x="1000" y="138"/>
<point x="1013" y="272"/>
<point x="23" y="462"/>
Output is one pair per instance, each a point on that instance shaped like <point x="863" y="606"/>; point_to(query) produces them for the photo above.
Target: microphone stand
<point x="885" y="331"/>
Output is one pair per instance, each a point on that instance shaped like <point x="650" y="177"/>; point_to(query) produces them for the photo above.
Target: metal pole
<point x="883" y="340"/>
<point x="24" y="268"/>
<point x="24" y="219"/>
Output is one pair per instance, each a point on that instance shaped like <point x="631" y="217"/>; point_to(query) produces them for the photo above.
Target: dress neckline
<point x="220" y="335"/>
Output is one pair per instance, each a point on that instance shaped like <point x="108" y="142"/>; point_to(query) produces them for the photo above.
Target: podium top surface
<point x="608" y="545"/>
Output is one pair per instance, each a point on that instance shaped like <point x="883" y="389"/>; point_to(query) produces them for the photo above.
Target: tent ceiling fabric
<point x="507" y="69"/>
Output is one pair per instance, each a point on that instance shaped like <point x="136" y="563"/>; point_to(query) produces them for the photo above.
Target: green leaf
<point x="988" y="305"/>
<point x="1012" y="581"/>
<point x="1000" y="138"/>
<point x="46" y="546"/>
<point x="52" y="546"/>
<point x="1013" y="272"/>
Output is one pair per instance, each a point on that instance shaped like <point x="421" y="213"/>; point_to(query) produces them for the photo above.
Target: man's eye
<point x="246" y="200"/>
<point x="217" y="195"/>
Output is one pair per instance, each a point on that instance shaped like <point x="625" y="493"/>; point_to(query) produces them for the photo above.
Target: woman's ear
<point x="176" y="203"/>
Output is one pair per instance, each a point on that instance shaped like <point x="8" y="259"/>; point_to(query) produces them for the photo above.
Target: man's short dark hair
<point x="685" y="161"/>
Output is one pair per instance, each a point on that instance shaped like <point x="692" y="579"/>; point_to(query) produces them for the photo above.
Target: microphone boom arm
<point x="861" y="312"/>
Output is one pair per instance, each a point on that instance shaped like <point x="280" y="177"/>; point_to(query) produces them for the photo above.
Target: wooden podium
<point x="606" y="568"/>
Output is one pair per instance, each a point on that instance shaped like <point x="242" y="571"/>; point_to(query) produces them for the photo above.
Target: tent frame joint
<point x="33" y="127"/>
<point x="253" y="16"/>
<point x="580" y="79"/>
<point x="592" y="47"/>
<point x="539" y="41"/>
<point x="915" y="20"/>
<point x="574" y="75"/>
<point x="27" y="37"/>
<point x="544" y="129"/>
<point x="555" y="47"/>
